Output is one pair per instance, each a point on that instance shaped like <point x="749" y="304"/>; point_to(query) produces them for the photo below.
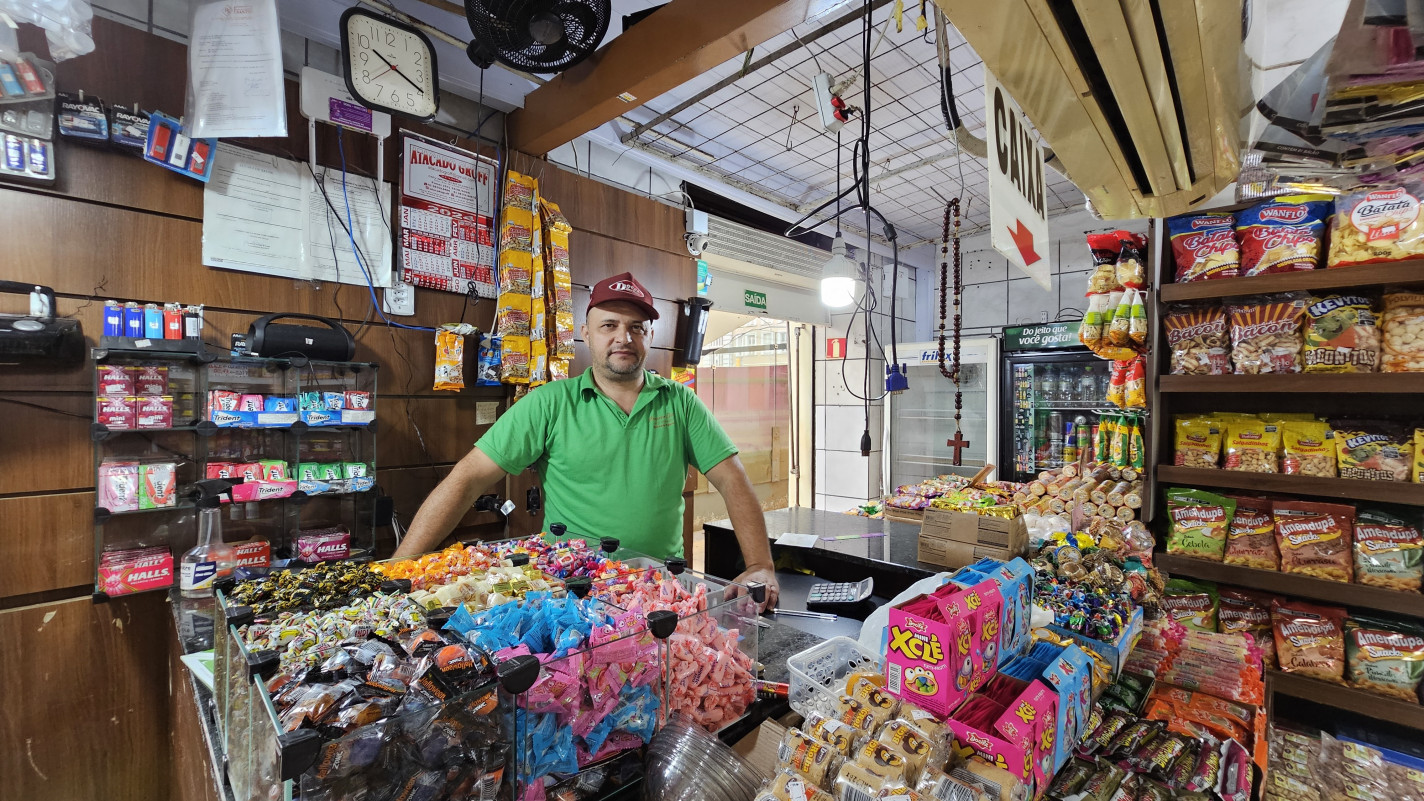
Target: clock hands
<point x="397" y="70"/>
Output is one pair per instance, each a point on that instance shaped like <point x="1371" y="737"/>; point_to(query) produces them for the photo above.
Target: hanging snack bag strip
<point x="1265" y="334"/>
<point x="556" y="257"/>
<point x="1282" y="236"/>
<point x="515" y="309"/>
<point x="1310" y="639"/>
<point x="1389" y="550"/>
<point x="1252" y="445"/>
<point x="1315" y="538"/>
<point x="1377" y="224"/>
<point x="450" y="356"/>
<point x="1384" y="657"/>
<point x="1251" y="537"/>
<point x="1204" y="246"/>
<point x="1199" y="522"/>
<point x="1198" y="339"/>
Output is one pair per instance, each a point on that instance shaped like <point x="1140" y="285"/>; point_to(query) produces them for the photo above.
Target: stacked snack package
<point x="1309" y="764"/>
<point x="1284" y="235"/>
<point x="1403" y="328"/>
<point x="539" y="304"/>
<point x="1377" y="224"/>
<point x="1204" y="246"/>
<point x="515" y="305"/>
<point x="559" y="289"/>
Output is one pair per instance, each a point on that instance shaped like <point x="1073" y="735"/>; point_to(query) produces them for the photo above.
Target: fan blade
<point x="580" y="24"/>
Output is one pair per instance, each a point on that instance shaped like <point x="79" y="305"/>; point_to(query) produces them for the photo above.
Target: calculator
<point x="828" y="594"/>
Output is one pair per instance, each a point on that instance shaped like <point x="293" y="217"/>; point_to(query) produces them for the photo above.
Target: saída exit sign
<point x="753" y="299"/>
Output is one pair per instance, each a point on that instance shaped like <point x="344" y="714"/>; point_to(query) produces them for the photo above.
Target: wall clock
<point x="389" y="66"/>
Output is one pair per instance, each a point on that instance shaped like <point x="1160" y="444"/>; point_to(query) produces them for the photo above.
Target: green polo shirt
<point x="606" y="473"/>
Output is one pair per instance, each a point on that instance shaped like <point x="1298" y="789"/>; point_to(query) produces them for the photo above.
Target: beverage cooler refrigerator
<point x="1054" y="389"/>
<point x="920" y="421"/>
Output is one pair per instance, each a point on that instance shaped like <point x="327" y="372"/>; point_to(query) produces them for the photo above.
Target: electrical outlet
<point x="399" y="300"/>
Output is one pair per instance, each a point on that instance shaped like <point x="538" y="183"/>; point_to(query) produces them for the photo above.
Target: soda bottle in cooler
<point x="1082" y="433"/>
<point x="1055" y="439"/>
<point x="1070" y="442"/>
<point x="1067" y="384"/>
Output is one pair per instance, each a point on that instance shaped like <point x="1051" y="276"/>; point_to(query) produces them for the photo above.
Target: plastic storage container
<point x="818" y="673"/>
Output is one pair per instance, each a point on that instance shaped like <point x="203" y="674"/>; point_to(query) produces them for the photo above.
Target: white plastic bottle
<point x="211" y="559"/>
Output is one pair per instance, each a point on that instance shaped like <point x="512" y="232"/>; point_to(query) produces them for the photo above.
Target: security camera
<point x="696" y="237"/>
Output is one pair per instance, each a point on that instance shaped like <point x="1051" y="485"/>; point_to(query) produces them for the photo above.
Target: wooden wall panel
<point x="666" y="275"/>
<point x="447" y="424"/>
<point x="62" y="558"/>
<point x="86" y="700"/>
<point x="592" y="206"/>
<point x="44" y="451"/>
<point x="190" y="776"/>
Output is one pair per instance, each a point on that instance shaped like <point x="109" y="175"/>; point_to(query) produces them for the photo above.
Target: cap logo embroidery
<point x="626" y="286"/>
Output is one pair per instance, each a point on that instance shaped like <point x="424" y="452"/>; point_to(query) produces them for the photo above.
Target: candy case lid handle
<point x="676" y="565"/>
<point x="519" y="673"/>
<point x="758" y="591"/>
<point x="609" y="544"/>
<point x="558" y="529"/>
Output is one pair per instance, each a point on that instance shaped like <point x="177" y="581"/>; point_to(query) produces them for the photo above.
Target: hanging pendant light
<point x="839" y="277"/>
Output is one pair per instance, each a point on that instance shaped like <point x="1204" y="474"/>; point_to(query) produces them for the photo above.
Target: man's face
<point x="617" y="334"/>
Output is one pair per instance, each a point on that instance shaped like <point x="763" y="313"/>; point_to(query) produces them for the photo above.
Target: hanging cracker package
<point x="1315" y="538"/>
<point x="1389" y="550"/>
<point x="1377" y="224"/>
<point x="450" y="356"/>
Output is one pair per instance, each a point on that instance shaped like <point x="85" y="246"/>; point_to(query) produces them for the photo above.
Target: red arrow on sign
<point x="1023" y="240"/>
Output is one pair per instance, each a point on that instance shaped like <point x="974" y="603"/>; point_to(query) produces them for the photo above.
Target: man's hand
<point x="763" y="574"/>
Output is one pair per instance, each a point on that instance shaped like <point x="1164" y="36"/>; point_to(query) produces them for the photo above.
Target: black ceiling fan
<point x="541" y="36"/>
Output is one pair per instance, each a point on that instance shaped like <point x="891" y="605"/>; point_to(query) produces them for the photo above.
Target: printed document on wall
<point x="235" y="82"/>
<point x="266" y="214"/>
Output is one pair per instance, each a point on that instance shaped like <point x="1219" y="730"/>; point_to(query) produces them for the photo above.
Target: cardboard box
<point x="951" y="553"/>
<point x="928" y="662"/>
<point x="759" y="748"/>
<point x="1115" y="652"/>
<point x="987" y="530"/>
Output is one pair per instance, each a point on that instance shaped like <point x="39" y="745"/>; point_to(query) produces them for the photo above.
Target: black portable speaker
<point x="48" y="340"/>
<point x="332" y="343"/>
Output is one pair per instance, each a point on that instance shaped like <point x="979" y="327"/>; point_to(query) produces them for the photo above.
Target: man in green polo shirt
<point x="612" y="448"/>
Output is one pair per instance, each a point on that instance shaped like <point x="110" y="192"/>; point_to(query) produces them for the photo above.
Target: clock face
<point x="389" y="66"/>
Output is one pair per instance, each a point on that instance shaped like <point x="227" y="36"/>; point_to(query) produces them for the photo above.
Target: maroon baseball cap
<point x="626" y="288"/>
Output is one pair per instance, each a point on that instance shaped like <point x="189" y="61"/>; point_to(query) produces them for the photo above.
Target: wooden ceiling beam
<point x="673" y="45"/>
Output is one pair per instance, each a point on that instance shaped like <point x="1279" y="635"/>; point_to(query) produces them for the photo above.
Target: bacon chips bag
<point x="1281" y="237"/>
<point x="1265" y="334"/>
<point x="1315" y="538"/>
<point x="1310" y="639"/>
<point x="1204" y="246"/>
<point x="1251" y="537"/>
<point x="1198" y="339"/>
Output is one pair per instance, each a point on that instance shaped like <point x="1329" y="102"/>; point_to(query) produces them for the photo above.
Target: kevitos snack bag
<point x="1199" y="521"/>
<point x="1377" y="224"/>
<point x="1403" y="325"/>
<point x="1191" y="603"/>
<point x="1416" y="470"/>
<point x="1198" y="339"/>
<point x="1307" y="448"/>
<point x="1265" y="334"/>
<point x="1314" y="538"/>
<point x="1389" y="550"/>
<point x="1310" y="639"/>
<point x="1204" y="246"/>
<point x="1245" y="612"/>
<point x="1372" y="452"/>
<point x="1384" y="657"/>
<point x="1341" y="335"/>
<point x="1251" y="537"/>
<point x="1252" y="445"/>
<point x="1281" y="237"/>
<point x="1198" y="442"/>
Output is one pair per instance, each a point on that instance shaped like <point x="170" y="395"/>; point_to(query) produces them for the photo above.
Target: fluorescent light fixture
<point x="838" y="279"/>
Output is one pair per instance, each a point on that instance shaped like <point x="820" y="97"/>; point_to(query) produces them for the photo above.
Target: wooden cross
<point x="958" y="443"/>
